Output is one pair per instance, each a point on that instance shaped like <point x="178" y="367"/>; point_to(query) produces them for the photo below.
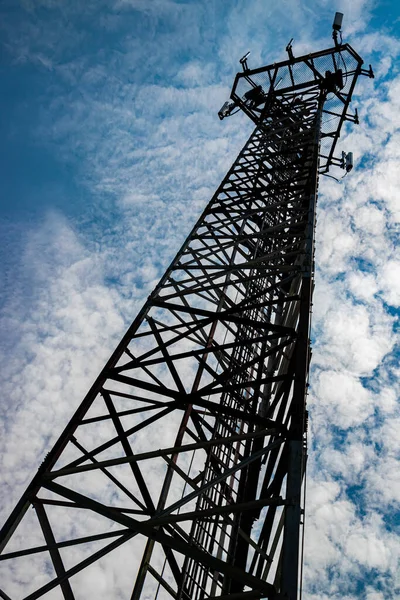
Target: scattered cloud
<point x="126" y="96"/>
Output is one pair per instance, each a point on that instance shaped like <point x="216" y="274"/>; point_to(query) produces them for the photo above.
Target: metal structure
<point x="189" y="450"/>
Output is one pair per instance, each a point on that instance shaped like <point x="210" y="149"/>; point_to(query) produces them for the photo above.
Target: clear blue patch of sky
<point x="386" y="16"/>
<point x="30" y="173"/>
<point x="392" y="519"/>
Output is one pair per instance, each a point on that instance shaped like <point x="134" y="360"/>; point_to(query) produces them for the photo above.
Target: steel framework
<point x="190" y="448"/>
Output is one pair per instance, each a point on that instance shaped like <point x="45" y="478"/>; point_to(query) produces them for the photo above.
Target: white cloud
<point x="342" y="398"/>
<point x="390" y="282"/>
<point x="68" y="317"/>
<point x="363" y="286"/>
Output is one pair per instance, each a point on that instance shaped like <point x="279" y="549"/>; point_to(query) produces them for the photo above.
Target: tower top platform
<point x="332" y="72"/>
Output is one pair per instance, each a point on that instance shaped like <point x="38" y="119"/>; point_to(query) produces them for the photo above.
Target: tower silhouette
<point x="190" y="448"/>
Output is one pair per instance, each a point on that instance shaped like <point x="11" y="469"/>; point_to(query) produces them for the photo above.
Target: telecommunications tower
<point x="186" y="459"/>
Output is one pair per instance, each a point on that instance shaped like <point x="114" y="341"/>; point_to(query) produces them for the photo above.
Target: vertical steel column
<point x="296" y="458"/>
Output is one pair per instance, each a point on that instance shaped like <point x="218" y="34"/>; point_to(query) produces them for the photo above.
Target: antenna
<point x="243" y="61"/>
<point x="289" y="49"/>
<point x="337" y="26"/>
<point x="348" y="161"/>
<point x="337" y="21"/>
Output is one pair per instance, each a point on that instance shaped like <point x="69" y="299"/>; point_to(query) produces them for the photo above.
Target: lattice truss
<point x="183" y="439"/>
<point x="176" y="463"/>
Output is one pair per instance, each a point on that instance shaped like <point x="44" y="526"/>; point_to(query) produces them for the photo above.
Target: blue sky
<point x="110" y="148"/>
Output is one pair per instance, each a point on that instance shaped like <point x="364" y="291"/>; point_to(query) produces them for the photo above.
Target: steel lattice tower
<point x="190" y="448"/>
